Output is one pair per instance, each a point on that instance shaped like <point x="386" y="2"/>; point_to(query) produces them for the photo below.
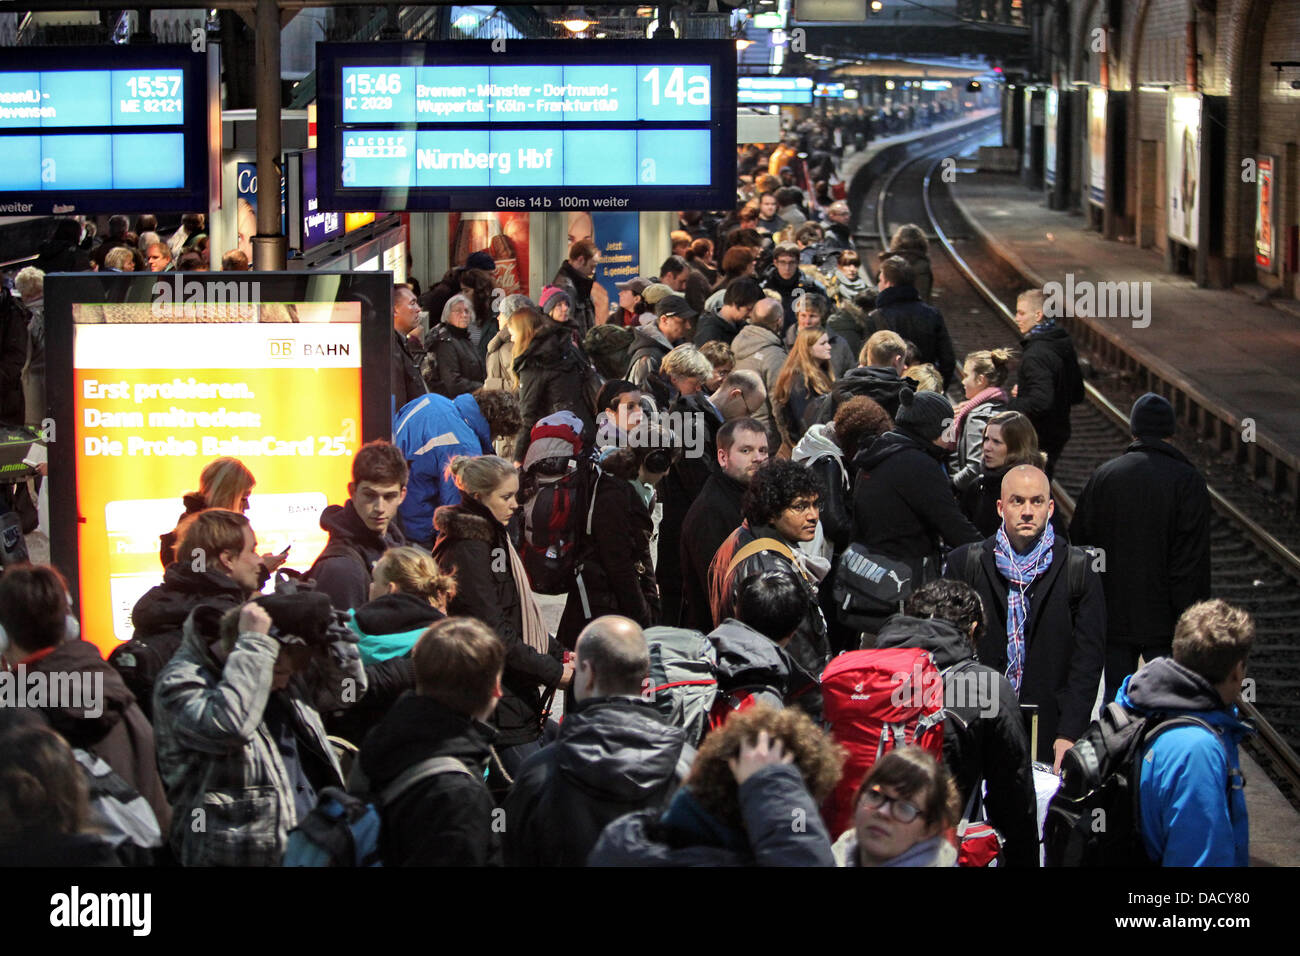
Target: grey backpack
<point x="683" y="682"/>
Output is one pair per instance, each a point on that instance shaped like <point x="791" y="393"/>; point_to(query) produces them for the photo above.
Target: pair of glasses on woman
<point x="899" y="809"/>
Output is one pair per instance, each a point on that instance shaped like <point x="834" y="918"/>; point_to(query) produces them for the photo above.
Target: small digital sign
<point x="790" y="90"/>
<point x="544" y="125"/>
<point x="92" y="129"/>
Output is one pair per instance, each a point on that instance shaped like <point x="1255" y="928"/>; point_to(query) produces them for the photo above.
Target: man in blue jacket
<point x="1193" y="805"/>
<point x="432" y="430"/>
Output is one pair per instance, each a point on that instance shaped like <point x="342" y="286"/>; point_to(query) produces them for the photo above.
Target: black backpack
<point x="1094" y="818"/>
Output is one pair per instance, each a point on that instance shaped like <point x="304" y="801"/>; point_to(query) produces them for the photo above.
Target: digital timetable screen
<point x="89" y="130"/>
<point x="541" y="124"/>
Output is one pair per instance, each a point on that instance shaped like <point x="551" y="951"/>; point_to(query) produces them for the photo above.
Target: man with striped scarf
<point x="1046" y="609"/>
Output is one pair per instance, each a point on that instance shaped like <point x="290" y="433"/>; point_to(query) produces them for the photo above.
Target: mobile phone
<point x="287" y="547"/>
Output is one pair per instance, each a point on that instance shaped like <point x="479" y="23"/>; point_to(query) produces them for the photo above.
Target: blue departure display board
<point x="542" y="124"/>
<point x="775" y="89"/>
<point x="102" y="130"/>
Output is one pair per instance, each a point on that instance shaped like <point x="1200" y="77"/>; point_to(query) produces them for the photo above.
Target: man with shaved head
<point x="614" y="754"/>
<point x="1047" y="612"/>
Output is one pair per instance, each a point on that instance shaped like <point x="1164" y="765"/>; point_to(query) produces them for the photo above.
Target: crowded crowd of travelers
<point x="808" y="560"/>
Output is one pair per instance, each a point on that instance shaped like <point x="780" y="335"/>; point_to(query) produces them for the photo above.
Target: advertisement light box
<point x="151" y="378"/>
<point x="102" y="129"/>
<point x="545" y="124"/>
<point x="775" y="89"/>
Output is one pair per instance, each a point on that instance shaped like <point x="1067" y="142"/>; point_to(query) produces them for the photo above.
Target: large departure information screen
<point x="94" y="129"/>
<point x="540" y="124"/>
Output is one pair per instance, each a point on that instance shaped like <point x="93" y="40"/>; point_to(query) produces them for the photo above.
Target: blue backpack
<point x="343" y="829"/>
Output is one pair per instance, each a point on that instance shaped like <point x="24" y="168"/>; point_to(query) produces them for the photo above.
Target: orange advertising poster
<point x="154" y="403"/>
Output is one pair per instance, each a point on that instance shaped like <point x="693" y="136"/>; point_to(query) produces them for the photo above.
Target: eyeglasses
<point x="899" y="809"/>
<point x="804" y="507"/>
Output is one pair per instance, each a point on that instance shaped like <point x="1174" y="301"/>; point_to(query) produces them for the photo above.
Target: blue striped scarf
<point x="1020" y="572"/>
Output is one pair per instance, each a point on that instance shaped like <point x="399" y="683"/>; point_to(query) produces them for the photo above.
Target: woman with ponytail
<point x="408" y="593"/>
<point x="491" y="585"/>
<point x="984" y="376"/>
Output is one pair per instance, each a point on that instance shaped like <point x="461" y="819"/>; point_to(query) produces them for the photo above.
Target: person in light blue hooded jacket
<point x="1191" y="796"/>
<point x="432" y="430"/>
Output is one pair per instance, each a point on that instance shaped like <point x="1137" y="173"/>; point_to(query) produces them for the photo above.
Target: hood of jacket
<point x="473" y="417"/>
<point x="171" y="602"/>
<point x="344" y="522"/>
<point x="753" y="339"/>
<point x="1053" y="335"/>
<point x="547" y="349"/>
<point x="817" y="441"/>
<point x="874" y="381"/>
<point x="467" y="520"/>
<point x="897" y="295"/>
<point x="892" y="443"/>
<point x="648" y="336"/>
<point x="582" y="284"/>
<point x="947" y="644"/>
<point x="85" y="726"/>
<point x="747" y="657"/>
<point x="416" y="728"/>
<point x="618" y="749"/>
<point x="395" y="613"/>
<point x="1165" y="686"/>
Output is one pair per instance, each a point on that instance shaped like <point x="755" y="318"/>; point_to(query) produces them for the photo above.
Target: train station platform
<point x="855" y="160"/>
<point x="1222" y="348"/>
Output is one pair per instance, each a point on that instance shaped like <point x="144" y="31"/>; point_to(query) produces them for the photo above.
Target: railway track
<point x="1251" y="567"/>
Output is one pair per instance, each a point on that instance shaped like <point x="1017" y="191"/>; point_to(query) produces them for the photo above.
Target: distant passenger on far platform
<point x="1049" y="380"/>
<point x="1149" y="511"/>
<point x="899" y="308"/>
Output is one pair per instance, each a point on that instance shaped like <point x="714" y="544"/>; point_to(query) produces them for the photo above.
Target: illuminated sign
<point x="558" y="125"/>
<point x="774" y="89"/>
<point x="829" y="90"/>
<point x="94" y="129"/>
<point x="155" y="377"/>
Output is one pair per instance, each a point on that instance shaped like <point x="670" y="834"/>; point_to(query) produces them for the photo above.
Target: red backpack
<point x="876" y="701"/>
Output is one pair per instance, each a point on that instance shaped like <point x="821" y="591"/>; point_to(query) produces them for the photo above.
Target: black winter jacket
<point x="551" y="375"/>
<point x="810" y="646"/>
<point x="1065" y="644"/>
<point x="752" y="663"/>
<point x="990" y="742"/>
<point x="406" y="382"/>
<point x="1048" y="383"/>
<point x="881" y="384"/>
<point x="578" y="287"/>
<point x="688" y="835"/>
<point x="617" y="569"/>
<point x="159" y="617"/>
<point x="113" y="728"/>
<point x="712" y="327"/>
<point x="712" y="517"/>
<point x="344" y="568"/>
<point x="1150" y="511"/>
<point x="644" y="356"/>
<point x="613" y="755"/>
<point x="900" y="309"/>
<point x="789" y="290"/>
<point x="902" y="503"/>
<point x="472" y="546"/>
<point x="461" y="367"/>
<point x="387" y="680"/>
<point x="13" y="356"/>
<point x="445" y="819"/>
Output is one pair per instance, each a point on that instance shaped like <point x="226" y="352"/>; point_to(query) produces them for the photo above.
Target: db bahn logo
<point x="280" y="348"/>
